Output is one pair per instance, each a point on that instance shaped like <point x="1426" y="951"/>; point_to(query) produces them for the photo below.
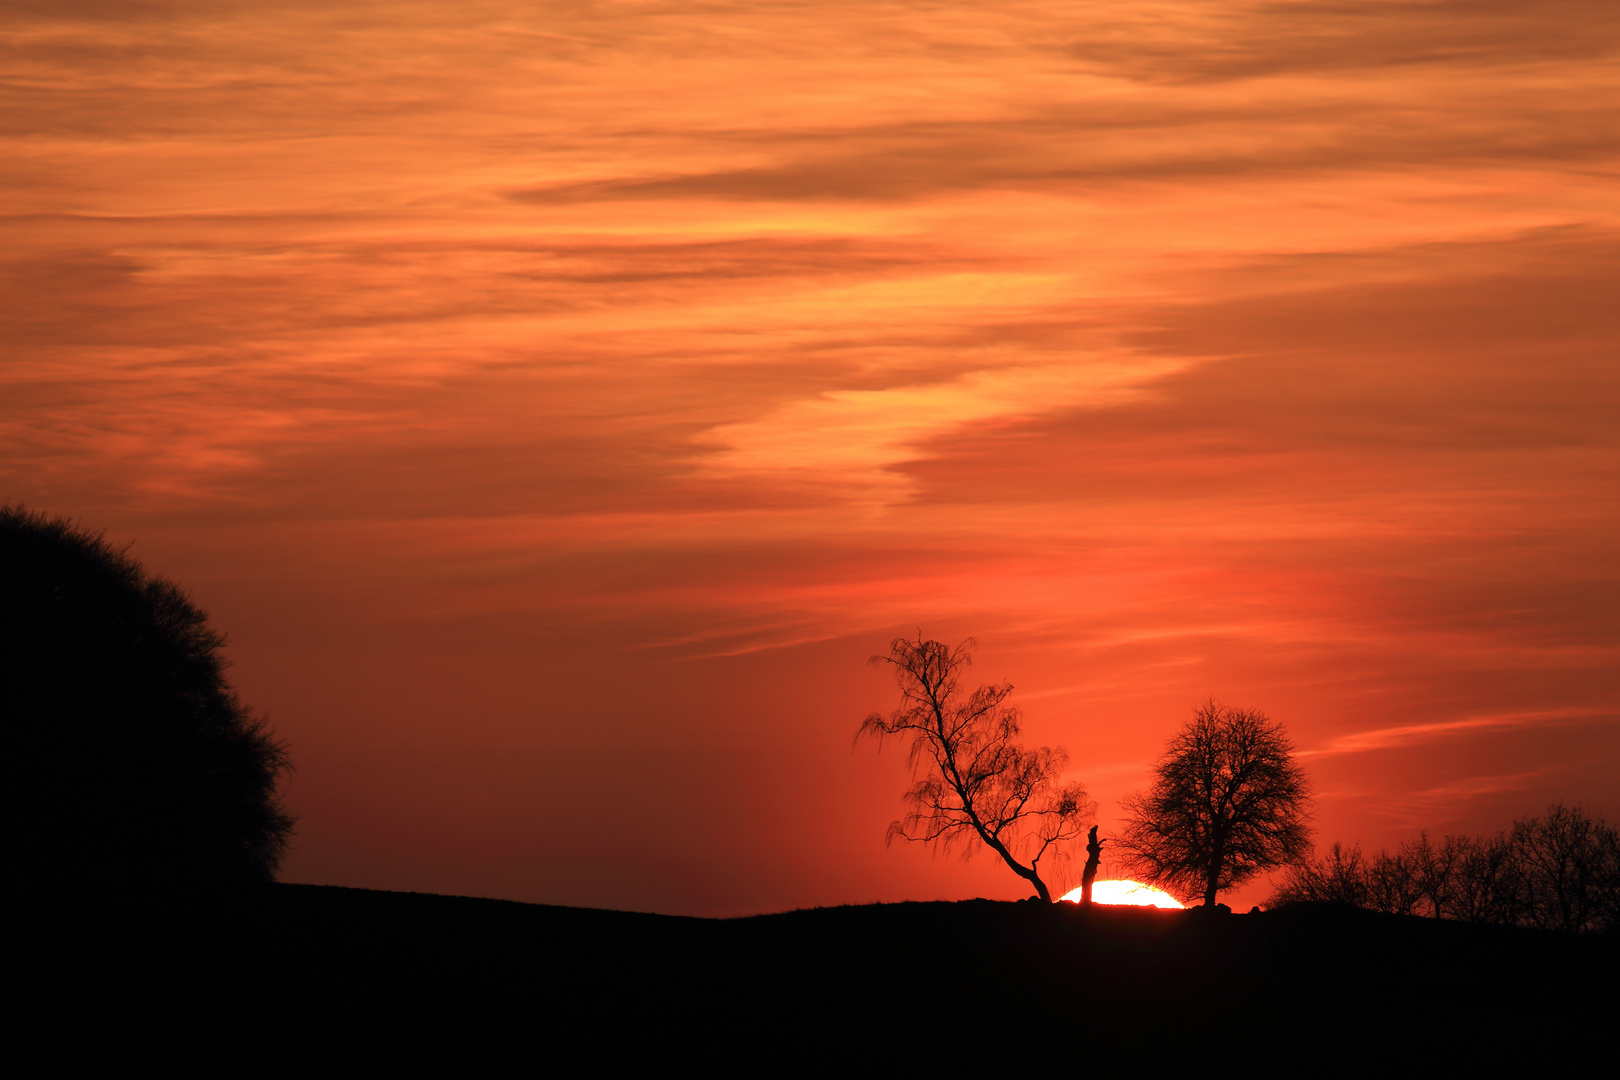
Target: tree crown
<point x="1227" y="801"/>
<point x="133" y="757"/>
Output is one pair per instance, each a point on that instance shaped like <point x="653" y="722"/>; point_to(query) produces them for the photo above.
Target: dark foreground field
<point x="270" y="975"/>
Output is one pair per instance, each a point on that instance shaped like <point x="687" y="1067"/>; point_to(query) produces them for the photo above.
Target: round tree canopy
<point x="130" y="757"/>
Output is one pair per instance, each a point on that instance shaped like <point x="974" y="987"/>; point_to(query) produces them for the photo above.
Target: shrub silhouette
<point x="1557" y="871"/>
<point x="130" y="757"/>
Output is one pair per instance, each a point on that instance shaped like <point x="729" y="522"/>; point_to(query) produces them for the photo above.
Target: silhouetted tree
<point x="1228" y="801"/>
<point x="1383" y="883"/>
<point x="1421" y="878"/>
<point x="1561" y="868"/>
<point x="1487" y="885"/>
<point x="1391" y="887"/>
<point x="1340" y="877"/>
<point x="975" y="784"/>
<point x="1433" y="870"/>
<point x="129" y="756"/>
<point x="1606" y="908"/>
<point x="1088" y="877"/>
<point x="1560" y="871"/>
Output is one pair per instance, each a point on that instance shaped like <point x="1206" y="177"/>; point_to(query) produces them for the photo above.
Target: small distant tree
<point x="1339" y="877"/>
<point x="1487" y="886"/>
<point x="1433" y="870"/>
<point x="128" y="755"/>
<point x="1384" y="882"/>
<point x="1228" y="801"/>
<point x="1560" y="871"/>
<point x="1561" y="859"/>
<point x="1606" y="908"/>
<point x="975" y="783"/>
<point x="1391" y="886"/>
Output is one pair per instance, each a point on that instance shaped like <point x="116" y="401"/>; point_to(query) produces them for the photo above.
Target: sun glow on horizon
<point x="1128" y="893"/>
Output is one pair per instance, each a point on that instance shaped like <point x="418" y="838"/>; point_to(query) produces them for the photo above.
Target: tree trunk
<point x="1028" y="873"/>
<point x="1093" y="857"/>
<point x="1216" y="860"/>
<point x="1040" y="888"/>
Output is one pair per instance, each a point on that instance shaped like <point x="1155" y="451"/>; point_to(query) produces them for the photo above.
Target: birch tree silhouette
<point x="975" y="785"/>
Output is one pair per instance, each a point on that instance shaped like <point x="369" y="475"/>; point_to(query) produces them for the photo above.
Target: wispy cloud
<point x="856" y="436"/>
<point x="1256" y="349"/>
<point x="1409" y="734"/>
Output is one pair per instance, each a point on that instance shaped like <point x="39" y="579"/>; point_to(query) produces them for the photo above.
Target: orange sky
<point x="557" y="403"/>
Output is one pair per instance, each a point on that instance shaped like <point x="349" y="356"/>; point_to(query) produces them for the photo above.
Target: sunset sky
<point x="557" y="404"/>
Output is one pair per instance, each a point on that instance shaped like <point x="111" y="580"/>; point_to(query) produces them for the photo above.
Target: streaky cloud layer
<point x="558" y="405"/>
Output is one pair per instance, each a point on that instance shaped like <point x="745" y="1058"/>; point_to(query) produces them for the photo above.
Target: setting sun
<point x="1132" y="893"/>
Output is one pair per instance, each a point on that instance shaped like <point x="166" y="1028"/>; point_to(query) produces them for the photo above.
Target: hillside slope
<point x="279" y="969"/>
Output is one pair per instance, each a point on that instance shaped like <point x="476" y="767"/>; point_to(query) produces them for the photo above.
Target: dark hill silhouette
<point x="128" y="756"/>
<point x="350" y="974"/>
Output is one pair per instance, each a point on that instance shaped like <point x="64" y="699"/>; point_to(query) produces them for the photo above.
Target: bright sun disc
<point x="1133" y="893"/>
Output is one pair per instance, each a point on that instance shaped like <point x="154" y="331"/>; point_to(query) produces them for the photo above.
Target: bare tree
<point x="1561" y="863"/>
<point x="1477" y="880"/>
<point x="1340" y="877"/>
<point x="1606" y="909"/>
<point x="1560" y="871"/>
<point x="1384" y="882"/>
<point x="1487" y="885"/>
<point x="1228" y="801"/>
<point x="975" y="784"/>
<point x="1391" y="886"/>
<point x="1433" y="869"/>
